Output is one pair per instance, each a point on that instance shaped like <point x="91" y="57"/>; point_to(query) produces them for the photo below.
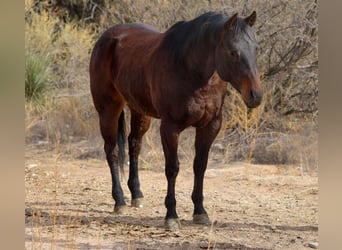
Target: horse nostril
<point x="256" y="96"/>
<point x="252" y="95"/>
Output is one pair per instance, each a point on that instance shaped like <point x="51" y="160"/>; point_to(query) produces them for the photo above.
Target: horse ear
<point x="251" y="19"/>
<point x="231" y="22"/>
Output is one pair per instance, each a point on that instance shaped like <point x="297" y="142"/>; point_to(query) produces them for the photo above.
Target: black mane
<point x="202" y="31"/>
<point x="186" y="34"/>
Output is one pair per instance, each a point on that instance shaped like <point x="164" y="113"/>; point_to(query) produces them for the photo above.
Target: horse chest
<point x="206" y="103"/>
<point x="202" y="109"/>
<point x="194" y="106"/>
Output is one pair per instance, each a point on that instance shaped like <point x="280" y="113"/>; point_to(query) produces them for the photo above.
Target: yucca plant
<point x="36" y="78"/>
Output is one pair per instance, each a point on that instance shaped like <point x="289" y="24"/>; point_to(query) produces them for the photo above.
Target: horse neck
<point x="200" y="63"/>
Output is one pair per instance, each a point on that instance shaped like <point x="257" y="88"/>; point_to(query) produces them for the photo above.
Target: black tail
<point x="122" y="141"/>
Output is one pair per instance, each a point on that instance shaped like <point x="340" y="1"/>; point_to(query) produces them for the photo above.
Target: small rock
<point x="28" y="211"/>
<point x="94" y="225"/>
<point x="84" y="220"/>
<point x="32" y="165"/>
<point x="313" y="245"/>
<point x="203" y="244"/>
<point x="34" y="212"/>
<point x="42" y="142"/>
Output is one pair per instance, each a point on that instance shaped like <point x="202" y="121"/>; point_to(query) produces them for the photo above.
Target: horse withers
<point x="178" y="76"/>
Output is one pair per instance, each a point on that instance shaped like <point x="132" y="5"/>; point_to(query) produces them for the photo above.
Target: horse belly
<point x="136" y="93"/>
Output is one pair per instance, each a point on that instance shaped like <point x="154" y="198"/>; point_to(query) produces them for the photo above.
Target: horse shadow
<point x="47" y="215"/>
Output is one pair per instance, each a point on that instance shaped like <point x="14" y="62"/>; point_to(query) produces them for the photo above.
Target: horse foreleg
<point x="139" y="125"/>
<point x="204" y="138"/>
<point x="169" y="136"/>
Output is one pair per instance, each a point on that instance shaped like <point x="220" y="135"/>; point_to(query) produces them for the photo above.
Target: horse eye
<point x="235" y="54"/>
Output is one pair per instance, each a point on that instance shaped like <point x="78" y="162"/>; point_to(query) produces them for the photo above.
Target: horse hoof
<point x="138" y="202"/>
<point x="201" y="219"/>
<point x="172" y="224"/>
<point x="122" y="209"/>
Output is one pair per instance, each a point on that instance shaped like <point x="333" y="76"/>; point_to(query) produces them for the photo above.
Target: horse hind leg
<point x="139" y="125"/>
<point x="109" y="118"/>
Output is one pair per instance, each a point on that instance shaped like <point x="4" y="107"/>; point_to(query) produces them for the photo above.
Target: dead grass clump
<point x="68" y="119"/>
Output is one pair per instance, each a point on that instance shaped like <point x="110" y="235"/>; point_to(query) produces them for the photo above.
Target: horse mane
<point x="203" y="30"/>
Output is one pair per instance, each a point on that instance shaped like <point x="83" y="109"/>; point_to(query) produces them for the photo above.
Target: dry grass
<point x="283" y="130"/>
<point x="68" y="112"/>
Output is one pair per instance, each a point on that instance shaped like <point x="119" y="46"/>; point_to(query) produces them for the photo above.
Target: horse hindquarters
<point x="109" y="105"/>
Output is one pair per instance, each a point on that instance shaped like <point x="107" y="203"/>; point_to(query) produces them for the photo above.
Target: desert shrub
<point x="36" y="78"/>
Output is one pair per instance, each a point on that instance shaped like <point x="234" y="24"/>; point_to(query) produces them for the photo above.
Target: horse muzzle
<point x="252" y="91"/>
<point x="254" y="99"/>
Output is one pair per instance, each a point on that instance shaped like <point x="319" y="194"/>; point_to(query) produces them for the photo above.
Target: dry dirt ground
<point x="68" y="205"/>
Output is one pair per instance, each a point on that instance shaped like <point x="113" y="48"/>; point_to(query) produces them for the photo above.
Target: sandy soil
<point x="68" y="206"/>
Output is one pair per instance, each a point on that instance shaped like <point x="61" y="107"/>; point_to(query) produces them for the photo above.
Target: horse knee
<point x="171" y="170"/>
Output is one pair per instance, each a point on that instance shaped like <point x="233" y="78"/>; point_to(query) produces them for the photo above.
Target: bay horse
<point x="178" y="76"/>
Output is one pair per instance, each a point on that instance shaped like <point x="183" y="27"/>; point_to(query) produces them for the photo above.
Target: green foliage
<point x="36" y="78"/>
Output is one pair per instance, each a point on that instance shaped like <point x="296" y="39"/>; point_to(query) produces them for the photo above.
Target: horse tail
<point x="121" y="136"/>
<point x="110" y="44"/>
<point x="121" y="141"/>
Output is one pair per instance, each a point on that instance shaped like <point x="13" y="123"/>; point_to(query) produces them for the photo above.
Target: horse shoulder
<point x="209" y="100"/>
<point x="193" y="106"/>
